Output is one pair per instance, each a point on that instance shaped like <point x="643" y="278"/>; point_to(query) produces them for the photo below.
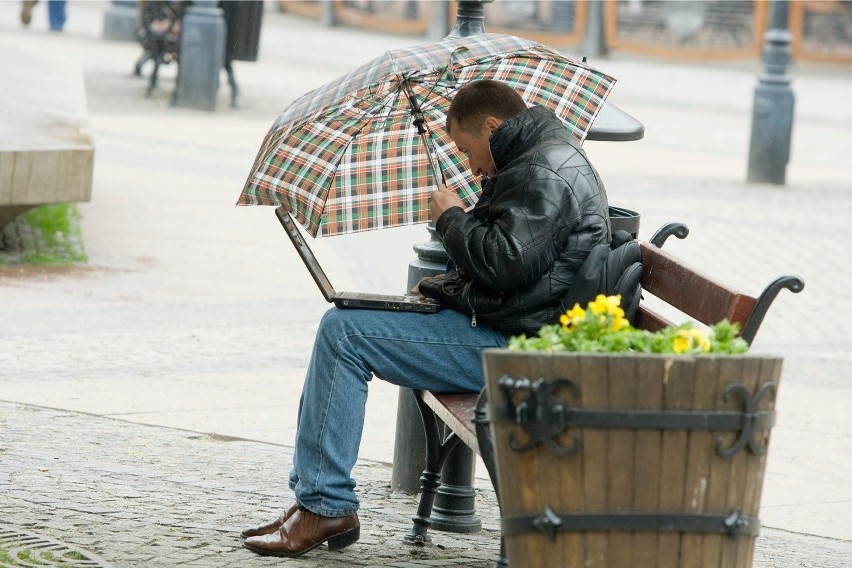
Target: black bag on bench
<point x="614" y="268"/>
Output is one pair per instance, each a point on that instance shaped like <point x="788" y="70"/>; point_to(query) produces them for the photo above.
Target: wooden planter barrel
<point x="630" y="460"/>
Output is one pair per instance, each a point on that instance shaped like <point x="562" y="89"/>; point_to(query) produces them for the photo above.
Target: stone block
<point x="46" y="150"/>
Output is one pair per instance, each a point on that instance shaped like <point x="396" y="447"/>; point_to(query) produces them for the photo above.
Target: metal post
<point x="772" y="114"/>
<point x="470" y="18"/>
<point x="329" y="16"/>
<point x="409" y="452"/>
<point x="202" y="55"/>
<point x="594" y="39"/>
<point x="439" y="23"/>
<point x="454" y="509"/>
<point x="412" y="11"/>
<point x="121" y="20"/>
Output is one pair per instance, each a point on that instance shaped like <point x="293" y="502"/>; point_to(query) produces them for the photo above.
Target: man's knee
<point x="332" y="318"/>
<point x="337" y="323"/>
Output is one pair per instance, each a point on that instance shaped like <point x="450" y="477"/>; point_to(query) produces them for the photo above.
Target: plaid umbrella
<point x="347" y="157"/>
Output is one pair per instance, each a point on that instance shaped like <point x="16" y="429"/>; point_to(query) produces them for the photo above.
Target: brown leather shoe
<point x="304" y="531"/>
<point x="271" y="526"/>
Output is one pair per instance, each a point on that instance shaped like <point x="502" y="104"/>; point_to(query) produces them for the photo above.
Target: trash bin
<point x="621" y="218"/>
<point x="242" y="19"/>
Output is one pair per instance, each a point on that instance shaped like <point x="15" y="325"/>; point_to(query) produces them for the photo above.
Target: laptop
<point x="349" y="299"/>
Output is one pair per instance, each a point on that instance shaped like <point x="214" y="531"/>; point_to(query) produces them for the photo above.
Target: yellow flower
<point x="599" y="306"/>
<point x="690" y="340"/>
<point x="576" y="313"/>
<point x="572" y="317"/>
<point x="607" y="305"/>
<point x="619" y="323"/>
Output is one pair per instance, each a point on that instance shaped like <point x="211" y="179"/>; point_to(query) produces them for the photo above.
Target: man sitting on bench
<point x="542" y="209"/>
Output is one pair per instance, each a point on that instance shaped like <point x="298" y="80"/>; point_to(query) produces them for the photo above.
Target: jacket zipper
<point x="472" y="311"/>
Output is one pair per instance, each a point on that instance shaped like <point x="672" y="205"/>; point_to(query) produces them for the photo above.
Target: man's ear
<point x="492" y="122"/>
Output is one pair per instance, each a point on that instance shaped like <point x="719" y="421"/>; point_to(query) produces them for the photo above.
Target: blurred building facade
<point x="699" y="29"/>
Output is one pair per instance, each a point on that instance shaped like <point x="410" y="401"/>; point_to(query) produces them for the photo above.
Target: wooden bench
<point x="161" y="24"/>
<point x="692" y="292"/>
<point x="47" y="153"/>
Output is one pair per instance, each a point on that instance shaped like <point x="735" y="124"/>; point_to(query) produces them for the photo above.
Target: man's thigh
<point x="441" y="352"/>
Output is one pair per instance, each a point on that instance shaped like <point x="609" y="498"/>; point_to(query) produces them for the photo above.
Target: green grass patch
<point x="46" y="235"/>
<point x="5" y="557"/>
<point x="29" y="557"/>
<point x="13" y="554"/>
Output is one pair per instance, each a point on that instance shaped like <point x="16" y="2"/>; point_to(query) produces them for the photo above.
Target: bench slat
<point x="457" y="411"/>
<point x="691" y="291"/>
<point x="650" y="320"/>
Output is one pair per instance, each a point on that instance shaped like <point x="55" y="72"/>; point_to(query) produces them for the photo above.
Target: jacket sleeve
<point x="517" y="244"/>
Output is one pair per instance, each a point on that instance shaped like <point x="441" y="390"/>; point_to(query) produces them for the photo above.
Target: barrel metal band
<point x="550" y="523"/>
<point x="543" y="416"/>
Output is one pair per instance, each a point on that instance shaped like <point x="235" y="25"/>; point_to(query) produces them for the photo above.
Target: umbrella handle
<point x="434" y="163"/>
<point x="419" y="122"/>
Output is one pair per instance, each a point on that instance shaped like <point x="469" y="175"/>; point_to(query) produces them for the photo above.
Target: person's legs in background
<point x="56" y="14"/>
<point x="27" y="11"/>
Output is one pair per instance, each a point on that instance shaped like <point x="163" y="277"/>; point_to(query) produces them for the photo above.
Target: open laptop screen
<point x="305" y="252"/>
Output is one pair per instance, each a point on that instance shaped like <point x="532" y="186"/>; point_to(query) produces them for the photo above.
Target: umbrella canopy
<point x="347" y="157"/>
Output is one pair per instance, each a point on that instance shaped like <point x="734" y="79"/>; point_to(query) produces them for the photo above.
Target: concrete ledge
<point x="46" y="150"/>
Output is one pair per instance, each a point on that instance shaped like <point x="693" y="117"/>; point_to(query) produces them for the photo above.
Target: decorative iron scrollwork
<point x="750" y="418"/>
<point x="736" y="524"/>
<point x="541" y="415"/>
<point x="548" y="522"/>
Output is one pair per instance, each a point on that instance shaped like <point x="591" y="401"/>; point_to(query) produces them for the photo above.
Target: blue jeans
<point x="56" y="14"/>
<point x="439" y="352"/>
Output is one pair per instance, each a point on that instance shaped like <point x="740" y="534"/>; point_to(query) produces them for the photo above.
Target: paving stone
<point x="107" y="502"/>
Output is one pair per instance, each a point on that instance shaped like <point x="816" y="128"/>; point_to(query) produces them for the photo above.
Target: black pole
<point x="594" y="40"/>
<point x="772" y="114"/>
<point x="470" y="19"/>
<point x="454" y="509"/>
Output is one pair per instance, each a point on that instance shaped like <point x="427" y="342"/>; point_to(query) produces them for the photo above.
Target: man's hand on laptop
<point x="416" y="290"/>
<point x="441" y="200"/>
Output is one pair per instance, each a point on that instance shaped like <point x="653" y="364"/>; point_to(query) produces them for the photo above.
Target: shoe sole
<point x="335" y="542"/>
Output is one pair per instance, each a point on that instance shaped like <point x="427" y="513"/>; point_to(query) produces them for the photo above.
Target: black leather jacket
<point x="517" y="251"/>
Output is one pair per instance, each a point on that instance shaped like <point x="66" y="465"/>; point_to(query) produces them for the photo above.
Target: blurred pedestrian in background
<point x="55" y="13"/>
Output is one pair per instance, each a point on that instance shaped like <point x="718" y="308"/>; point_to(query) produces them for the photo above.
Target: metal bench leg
<point x="232" y="81"/>
<point x="486" y="451"/>
<point x="143" y="59"/>
<point x="154" y="74"/>
<point x="436" y="455"/>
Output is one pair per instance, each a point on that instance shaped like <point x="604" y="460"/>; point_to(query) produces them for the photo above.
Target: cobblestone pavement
<point x="149" y="496"/>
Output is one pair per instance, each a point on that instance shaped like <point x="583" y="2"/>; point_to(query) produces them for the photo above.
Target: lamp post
<point x="594" y="40"/>
<point x="772" y="113"/>
<point x="454" y="508"/>
<point x="202" y="55"/>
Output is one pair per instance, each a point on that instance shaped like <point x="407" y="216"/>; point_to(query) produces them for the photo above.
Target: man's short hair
<point x="480" y="99"/>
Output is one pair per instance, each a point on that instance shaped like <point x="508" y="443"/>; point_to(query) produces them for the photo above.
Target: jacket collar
<point x="523" y="131"/>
